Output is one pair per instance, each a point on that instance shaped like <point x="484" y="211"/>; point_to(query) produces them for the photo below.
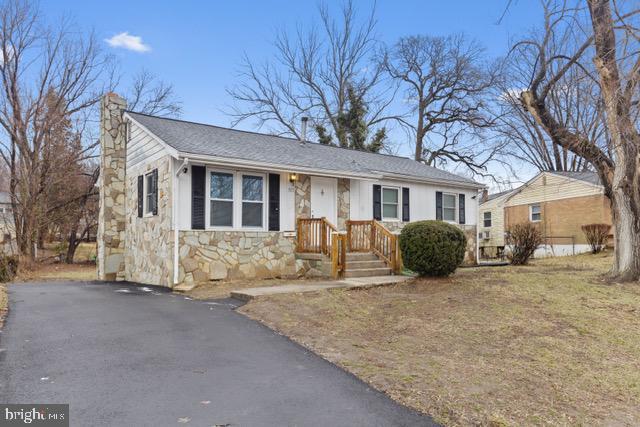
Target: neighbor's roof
<point x="586" y="176"/>
<point x="496" y="195"/>
<point x="207" y="140"/>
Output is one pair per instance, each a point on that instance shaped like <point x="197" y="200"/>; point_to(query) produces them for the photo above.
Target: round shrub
<point x="432" y="248"/>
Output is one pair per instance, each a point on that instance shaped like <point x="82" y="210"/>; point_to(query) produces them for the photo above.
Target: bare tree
<point x="574" y="101"/>
<point x="446" y="81"/>
<point x="572" y="36"/>
<point x="311" y="75"/>
<point x="43" y="71"/>
<point x="150" y="95"/>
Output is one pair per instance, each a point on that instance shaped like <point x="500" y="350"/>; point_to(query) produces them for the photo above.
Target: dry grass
<point x="214" y="290"/>
<point x="58" y="271"/>
<point x="4" y="303"/>
<point x="546" y="344"/>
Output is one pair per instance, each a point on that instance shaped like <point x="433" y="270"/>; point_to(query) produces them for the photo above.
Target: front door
<point x="324" y="201"/>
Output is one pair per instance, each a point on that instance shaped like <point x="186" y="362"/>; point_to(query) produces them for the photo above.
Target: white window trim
<point x="237" y="200"/>
<point x="455" y="207"/>
<point x="241" y="176"/>
<point x="398" y="216"/>
<point x="531" y="212"/>
<point x="146" y="213"/>
<point x="484" y="219"/>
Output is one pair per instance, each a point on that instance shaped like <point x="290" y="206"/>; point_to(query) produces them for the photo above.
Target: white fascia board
<point x="172" y="151"/>
<point x="250" y="164"/>
<point x="410" y="178"/>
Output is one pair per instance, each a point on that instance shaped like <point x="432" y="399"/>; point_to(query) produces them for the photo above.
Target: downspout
<point x="174" y="218"/>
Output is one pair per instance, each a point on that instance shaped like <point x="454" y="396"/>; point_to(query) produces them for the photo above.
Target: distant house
<point x="184" y="202"/>
<point x="7" y="226"/>
<point x="559" y="202"/>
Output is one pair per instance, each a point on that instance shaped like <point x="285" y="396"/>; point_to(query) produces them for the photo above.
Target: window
<point x="389" y="203"/>
<point x="449" y="207"/>
<point x="535" y="213"/>
<point x="252" y="200"/>
<point x="487" y="219"/>
<point x="221" y="204"/>
<point x="150" y="193"/>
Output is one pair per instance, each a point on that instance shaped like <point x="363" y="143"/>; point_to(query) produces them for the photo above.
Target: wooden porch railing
<point x="372" y="236"/>
<point x="314" y="235"/>
<point x="338" y="254"/>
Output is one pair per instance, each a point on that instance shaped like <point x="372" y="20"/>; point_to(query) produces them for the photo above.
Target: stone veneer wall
<point x="303" y="197"/>
<point x="149" y="240"/>
<point x="223" y="255"/>
<point x="344" y="187"/>
<point x="111" y="216"/>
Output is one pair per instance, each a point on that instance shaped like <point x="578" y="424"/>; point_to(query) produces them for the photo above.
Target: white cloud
<point x="129" y="42"/>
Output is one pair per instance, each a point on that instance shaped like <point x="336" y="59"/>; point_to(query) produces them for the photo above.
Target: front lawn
<point x="549" y="343"/>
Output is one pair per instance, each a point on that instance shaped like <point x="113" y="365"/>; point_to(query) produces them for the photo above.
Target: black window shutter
<point x="140" y="195"/>
<point x="274" y="202"/>
<point x="461" y="217"/>
<point x="377" y="202"/>
<point x="198" y="181"/>
<point x="155" y="191"/>
<point x="439" y="205"/>
<point x="405" y="204"/>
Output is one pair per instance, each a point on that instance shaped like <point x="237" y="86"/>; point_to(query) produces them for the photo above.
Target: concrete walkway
<point x="353" y="283"/>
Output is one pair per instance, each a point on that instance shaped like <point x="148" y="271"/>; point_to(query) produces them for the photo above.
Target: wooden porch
<point x="346" y="249"/>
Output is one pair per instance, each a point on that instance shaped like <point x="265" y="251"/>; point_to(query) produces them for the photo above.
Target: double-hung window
<point x="221" y="207"/>
<point x="236" y="200"/>
<point x="252" y="200"/>
<point x="150" y="193"/>
<point x="390" y="203"/>
<point x="449" y="207"/>
<point x="535" y="213"/>
<point x="487" y="219"/>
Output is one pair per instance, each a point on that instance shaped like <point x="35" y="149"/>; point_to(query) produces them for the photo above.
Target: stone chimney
<point x="111" y="219"/>
<point x="485" y="196"/>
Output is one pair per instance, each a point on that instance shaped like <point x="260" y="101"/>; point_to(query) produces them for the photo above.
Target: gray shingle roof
<point x="496" y="195"/>
<point x="587" y="176"/>
<point x="208" y="140"/>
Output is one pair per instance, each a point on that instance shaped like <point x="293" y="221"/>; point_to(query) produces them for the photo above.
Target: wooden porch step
<point x="366" y="272"/>
<point x="359" y="264"/>
<point x="361" y="256"/>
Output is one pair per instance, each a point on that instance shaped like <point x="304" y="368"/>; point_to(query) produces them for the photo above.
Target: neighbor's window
<point x="221" y="204"/>
<point x="536" y="213"/>
<point x="449" y="207"/>
<point x="149" y="193"/>
<point x="252" y="200"/>
<point x="389" y="203"/>
<point x="487" y="219"/>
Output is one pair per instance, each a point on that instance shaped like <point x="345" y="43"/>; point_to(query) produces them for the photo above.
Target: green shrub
<point x="432" y="248"/>
<point x="8" y="268"/>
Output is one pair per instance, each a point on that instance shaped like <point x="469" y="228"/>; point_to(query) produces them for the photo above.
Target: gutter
<point x="174" y="215"/>
<point x="249" y="164"/>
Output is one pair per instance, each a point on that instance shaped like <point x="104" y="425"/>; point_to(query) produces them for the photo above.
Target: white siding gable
<point x="141" y="146"/>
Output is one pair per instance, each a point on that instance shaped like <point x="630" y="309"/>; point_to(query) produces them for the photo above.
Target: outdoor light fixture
<point x="293" y="177"/>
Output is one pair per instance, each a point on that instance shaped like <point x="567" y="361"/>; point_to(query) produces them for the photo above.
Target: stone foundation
<point x="227" y="255"/>
<point x="344" y="187"/>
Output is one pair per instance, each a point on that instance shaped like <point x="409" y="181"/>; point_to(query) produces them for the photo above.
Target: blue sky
<point x="197" y="45"/>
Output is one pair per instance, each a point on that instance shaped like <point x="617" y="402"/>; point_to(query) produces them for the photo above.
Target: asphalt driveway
<point x="120" y="354"/>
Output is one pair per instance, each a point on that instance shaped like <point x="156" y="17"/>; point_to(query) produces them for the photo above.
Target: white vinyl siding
<point x="553" y="187"/>
<point x="142" y="148"/>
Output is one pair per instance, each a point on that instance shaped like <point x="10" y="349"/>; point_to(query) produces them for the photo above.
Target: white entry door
<point x="324" y="198"/>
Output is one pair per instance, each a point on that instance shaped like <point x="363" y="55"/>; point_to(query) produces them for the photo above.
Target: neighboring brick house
<point x="184" y="202"/>
<point x="491" y="241"/>
<point x="560" y="203"/>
